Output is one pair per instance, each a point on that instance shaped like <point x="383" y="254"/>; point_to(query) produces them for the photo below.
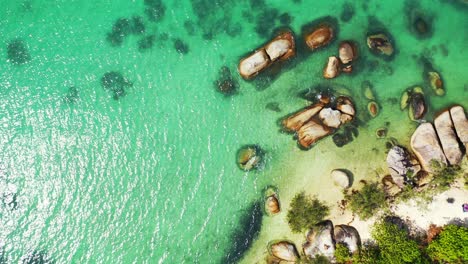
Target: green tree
<point x="305" y="212"/>
<point x="395" y="245"/>
<point x="451" y="245"/>
<point x="367" y="201"/>
<point x="342" y="253"/>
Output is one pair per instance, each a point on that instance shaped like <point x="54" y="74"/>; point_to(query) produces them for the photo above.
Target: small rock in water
<point x="250" y="157"/>
<point x="380" y="44"/>
<point x="381" y="132"/>
<point x="347" y="52"/>
<point x="272" y="205"/>
<point x="435" y="81"/>
<point x="373" y="108"/>
<point x="319" y="37"/>
<point x="331" y="70"/>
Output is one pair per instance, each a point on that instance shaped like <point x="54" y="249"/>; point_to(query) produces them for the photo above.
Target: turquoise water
<point x="151" y="177"/>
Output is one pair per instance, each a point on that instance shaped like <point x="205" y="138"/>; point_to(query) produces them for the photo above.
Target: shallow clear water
<point x="151" y="177"/>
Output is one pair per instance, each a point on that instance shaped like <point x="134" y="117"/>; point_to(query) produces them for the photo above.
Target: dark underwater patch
<point x="72" y="95"/>
<point x="244" y="235"/>
<point x="180" y="46"/>
<point x="116" y="83"/>
<point x="17" y="52"/>
<point x="347" y="12"/>
<point x="37" y="257"/>
<point x="146" y="43"/>
<point x="155" y="10"/>
<point x="123" y="27"/>
<point x="226" y="83"/>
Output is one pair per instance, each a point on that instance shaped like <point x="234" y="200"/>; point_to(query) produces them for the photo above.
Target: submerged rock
<point x="285" y="251"/>
<point x="381" y="132"/>
<point x="417" y="105"/>
<point x="460" y="123"/>
<point x="340" y="178"/>
<point x="226" y="83"/>
<point x="448" y="138"/>
<point x="435" y="82"/>
<point x="250" y="157"/>
<point x="349" y="236"/>
<point x="319" y="37"/>
<point x="380" y="44"/>
<point x="367" y="90"/>
<point x="425" y="145"/>
<point x="401" y="165"/>
<point x="319" y="241"/>
<point x="331" y="69"/>
<point x="373" y="108"/>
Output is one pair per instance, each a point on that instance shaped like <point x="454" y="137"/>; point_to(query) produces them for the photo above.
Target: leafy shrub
<point x="451" y="245"/>
<point x="305" y="212"/>
<point x="342" y="253"/>
<point x="367" y="201"/>
<point x="395" y="245"/>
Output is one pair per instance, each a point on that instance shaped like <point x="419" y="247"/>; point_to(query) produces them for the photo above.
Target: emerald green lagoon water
<point x="145" y="171"/>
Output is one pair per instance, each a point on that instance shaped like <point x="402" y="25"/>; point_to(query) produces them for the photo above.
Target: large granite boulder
<point x="311" y="132"/>
<point x="330" y="117"/>
<point x="425" y="145"/>
<point x="349" y="236"/>
<point x="461" y="124"/>
<point x="284" y="250"/>
<point x="297" y="120"/>
<point x="448" y="138"/>
<point x="319" y="241"/>
<point x="401" y="164"/>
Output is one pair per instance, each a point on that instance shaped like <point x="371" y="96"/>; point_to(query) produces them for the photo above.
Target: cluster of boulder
<point x="443" y="142"/>
<point x="319" y="120"/>
<point x="281" y="48"/>
<point x="321" y="240"/>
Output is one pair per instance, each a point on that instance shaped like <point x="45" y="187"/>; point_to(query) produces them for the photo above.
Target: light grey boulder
<point x="400" y="164"/>
<point x="349" y="236"/>
<point x="319" y="241"/>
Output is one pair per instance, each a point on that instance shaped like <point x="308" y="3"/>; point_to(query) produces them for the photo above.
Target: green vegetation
<point x="367" y="201"/>
<point x="450" y="246"/>
<point x="305" y="212"/>
<point x="395" y="245"/>
<point x="443" y="177"/>
<point x="342" y="253"/>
